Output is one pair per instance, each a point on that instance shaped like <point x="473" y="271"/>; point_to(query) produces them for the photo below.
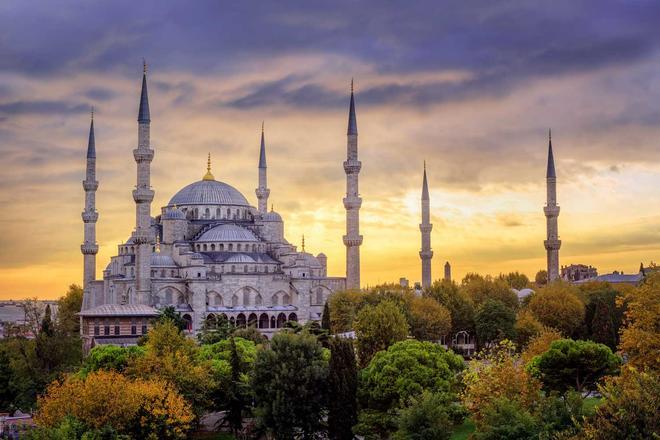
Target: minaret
<point x="262" y="190"/>
<point x="89" y="248"/>
<point x="426" y="254"/>
<point x="447" y="271"/>
<point x="551" y="210"/>
<point x="352" y="202"/>
<point x="143" y="195"/>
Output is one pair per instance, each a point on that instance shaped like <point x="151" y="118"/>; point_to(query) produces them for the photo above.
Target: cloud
<point x="42" y="107"/>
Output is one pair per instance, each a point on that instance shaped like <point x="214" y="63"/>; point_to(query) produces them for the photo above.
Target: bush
<point x="430" y="416"/>
<point x="505" y="419"/>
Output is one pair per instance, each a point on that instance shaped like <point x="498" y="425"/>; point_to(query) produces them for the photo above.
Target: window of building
<point x="116" y="330"/>
<point x="97" y="330"/>
<point x="134" y="329"/>
<point x="144" y="329"/>
<point x="106" y="330"/>
<point x="238" y="247"/>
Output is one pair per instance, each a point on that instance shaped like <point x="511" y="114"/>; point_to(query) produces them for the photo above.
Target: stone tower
<point x="426" y="254"/>
<point x="447" y="271"/>
<point x="352" y="201"/>
<point x="143" y="195"/>
<point x="89" y="248"/>
<point x="551" y="210"/>
<point x="262" y="190"/>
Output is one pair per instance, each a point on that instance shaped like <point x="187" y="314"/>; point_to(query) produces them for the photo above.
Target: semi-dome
<point x="158" y="259"/>
<point x="173" y="213"/>
<point x="209" y="192"/>
<point x="228" y="232"/>
<point x="271" y="216"/>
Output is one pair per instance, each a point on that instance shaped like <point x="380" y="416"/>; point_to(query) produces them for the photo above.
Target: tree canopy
<point x="377" y="327"/>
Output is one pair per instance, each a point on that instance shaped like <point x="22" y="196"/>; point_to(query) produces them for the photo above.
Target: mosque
<point x="208" y="253"/>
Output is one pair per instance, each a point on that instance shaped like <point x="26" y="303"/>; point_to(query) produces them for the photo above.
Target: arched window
<point x="212" y="247"/>
<point x="258" y="300"/>
<point x="272" y="322"/>
<point x="252" y="320"/>
<point x="233" y="268"/>
<point x="217" y="300"/>
<point x="207" y="213"/>
<point x="281" y="320"/>
<point x="287" y="299"/>
<point x="222" y="247"/>
<point x="217" y="213"/>
<point x="196" y="213"/>
<point x="246" y="297"/>
<point x="293" y="317"/>
<point x="228" y="213"/>
<point x="240" y="320"/>
<point x="245" y="268"/>
<point x="234" y="301"/>
<point x="254" y="248"/>
<point x="205" y="247"/>
<point x="263" y="321"/>
<point x="319" y="296"/>
<point x="231" y="247"/>
<point x="275" y="299"/>
<point x="188" y="320"/>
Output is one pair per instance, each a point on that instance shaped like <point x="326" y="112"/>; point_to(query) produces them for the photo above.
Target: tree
<point x="169" y="313"/>
<point x="527" y="326"/>
<point x="251" y="334"/>
<point x="629" y="409"/>
<point x="289" y="385"/>
<point x="604" y="311"/>
<point x="68" y="307"/>
<point x="7" y="392"/>
<point x="429" y="321"/>
<point x="343" y="309"/>
<point x="47" y="328"/>
<point x="482" y="289"/>
<point x="505" y="419"/>
<point x="214" y="330"/>
<point x="110" y="358"/>
<point x="515" y="280"/>
<point x="457" y="301"/>
<point x="557" y="305"/>
<point x="640" y="339"/>
<point x="342" y="387"/>
<point x="325" y="319"/>
<point x="171" y="356"/>
<point x="494" y="322"/>
<point x="405" y="370"/>
<point x="236" y="396"/>
<point x="430" y="416"/>
<point x="577" y="365"/>
<point x="540" y="343"/>
<point x="139" y="408"/>
<point x="378" y="327"/>
<point x="498" y="374"/>
<point x="541" y="278"/>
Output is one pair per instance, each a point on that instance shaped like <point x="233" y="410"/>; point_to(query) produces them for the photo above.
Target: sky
<point x="471" y="87"/>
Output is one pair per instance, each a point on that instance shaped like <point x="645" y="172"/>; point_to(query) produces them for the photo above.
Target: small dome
<point x="308" y="260"/>
<point x="228" y="232"/>
<point x="173" y="213"/>
<point x="209" y="192"/>
<point x="158" y="259"/>
<point x="271" y="216"/>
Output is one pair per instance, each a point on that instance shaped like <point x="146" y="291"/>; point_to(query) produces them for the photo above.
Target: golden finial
<point x="144" y="66"/>
<point x="158" y="243"/>
<point x="92" y="113"/>
<point x="303" y="243"/>
<point x="271" y="207"/>
<point x="424" y="165"/>
<point x="351" y="85"/>
<point x="208" y="175"/>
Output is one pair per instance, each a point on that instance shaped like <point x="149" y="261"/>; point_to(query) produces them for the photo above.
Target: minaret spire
<point x="352" y="201"/>
<point x="426" y="254"/>
<point x="262" y="190"/>
<point x="208" y="175"/>
<point x="143" y="196"/>
<point x="89" y="248"/>
<point x="551" y="210"/>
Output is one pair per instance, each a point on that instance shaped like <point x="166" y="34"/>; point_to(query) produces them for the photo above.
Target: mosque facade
<point x="208" y="253"/>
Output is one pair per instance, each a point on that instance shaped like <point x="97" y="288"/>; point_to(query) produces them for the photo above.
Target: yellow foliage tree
<point x="139" y="408"/>
<point x="499" y="374"/>
<point x="527" y="327"/>
<point x="640" y="338"/>
<point x="540" y="344"/>
<point x="429" y="321"/>
<point x="558" y="306"/>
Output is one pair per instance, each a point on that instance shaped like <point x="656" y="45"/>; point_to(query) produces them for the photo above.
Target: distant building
<point x="577" y="272"/>
<point x="14" y="426"/>
<point x="615" y="277"/>
<point x="14" y="318"/>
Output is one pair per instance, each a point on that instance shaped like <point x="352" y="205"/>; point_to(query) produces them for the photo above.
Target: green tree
<point x="68" y="306"/>
<point x="541" y="278"/>
<point x="558" y="306"/>
<point x="494" y="322"/>
<point x="429" y="416"/>
<point x="343" y="306"/>
<point x="482" y="289"/>
<point x="7" y="393"/>
<point x="47" y="328"/>
<point x="214" y="330"/>
<point x="236" y="395"/>
<point x="289" y="384"/>
<point x="526" y="328"/>
<point x="577" y="365"/>
<point x="508" y="420"/>
<point x="110" y="358"/>
<point x="604" y="312"/>
<point x="515" y="280"/>
<point x="396" y="375"/>
<point x="629" y="409"/>
<point x="378" y="327"/>
<point x="342" y="389"/>
<point x="325" y="319"/>
<point x="457" y="301"/>
<point x="169" y="313"/>
<point x="429" y="321"/>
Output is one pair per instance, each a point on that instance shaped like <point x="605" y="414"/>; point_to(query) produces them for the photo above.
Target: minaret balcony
<point x="352" y="166"/>
<point x="551" y="211"/>
<point x="90" y="216"/>
<point x="352" y="240"/>
<point x="426" y="255"/>
<point x="143" y="154"/>
<point x="552" y="245"/>
<point x="262" y="193"/>
<point x="90" y="185"/>
<point x="143" y="195"/>
<point x="352" y="202"/>
<point x="89" y="248"/>
<point x="426" y="228"/>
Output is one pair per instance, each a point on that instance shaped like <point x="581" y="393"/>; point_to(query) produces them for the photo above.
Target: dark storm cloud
<point x="42" y="107"/>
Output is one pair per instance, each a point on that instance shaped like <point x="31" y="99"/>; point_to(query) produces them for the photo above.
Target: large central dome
<point x="209" y="192"/>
